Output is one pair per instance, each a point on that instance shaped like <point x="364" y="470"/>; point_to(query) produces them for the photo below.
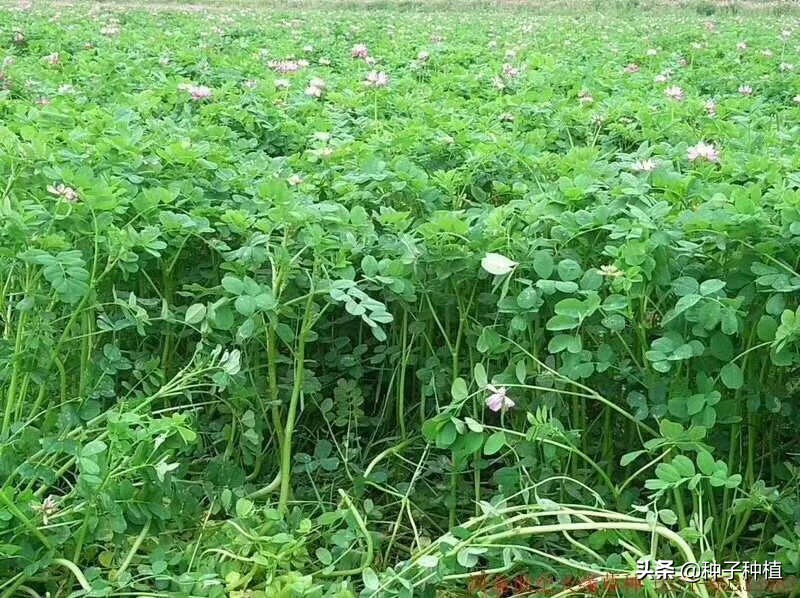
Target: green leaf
<point x="494" y="443"/>
<point x="766" y="328"/>
<point x="732" y="376"/>
<point x="667" y="473"/>
<point x="95" y="447"/>
<point x="458" y="390"/>
<point x="195" y="313"/>
<point x="429" y="561"/>
<point x="571" y="307"/>
<point x="244" y="507"/>
<point x="543" y="264"/>
<point x="569" y="270"/>
<point x="629" y="458"/>
<point x="521" y="371"/>
<point x="369" y="266"/>
<point x="324" y="556"/>
<point x="709" y="287"/>
<point x="233" y="285"/>
<point x="479" y="373"/>
<point x="733" y="481"/>
<point x="683" y="304"/>
<point x="668" y="517"/>
<point x="705" y="462"/>
<point x="683" y="465"/>
<point x="685" y="285"/>
<point x="562" y="322"/>
<point x="370" y="579"/>
<point x="473" y="425"/>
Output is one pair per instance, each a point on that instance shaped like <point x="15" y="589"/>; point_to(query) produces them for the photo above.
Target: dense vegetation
<point x="324" y="303"/>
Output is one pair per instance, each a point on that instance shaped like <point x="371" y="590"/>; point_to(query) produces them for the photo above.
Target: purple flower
<point x="359" y="51"/>
<point x="703" y="151"/>
<point x="498" y="400"/>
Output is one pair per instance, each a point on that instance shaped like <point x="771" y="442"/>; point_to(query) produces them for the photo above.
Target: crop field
<point x="412" y="301"/>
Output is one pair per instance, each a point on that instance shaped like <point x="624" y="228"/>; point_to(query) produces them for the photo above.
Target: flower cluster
<point x="316" y="88"/>
<point x="66" y="193"/>
<point x="359" y="51"/>
<point x="703" y="151"/>
<point x="376" y="79"/>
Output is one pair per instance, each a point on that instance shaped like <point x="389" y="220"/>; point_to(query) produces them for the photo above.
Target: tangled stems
<point x="482" y="535"/>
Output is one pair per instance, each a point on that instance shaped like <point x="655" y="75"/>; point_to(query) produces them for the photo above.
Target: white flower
<point x="497" y="264"/>
<point x="611" y="271"/>
<point x="648" y="165"/>
<point x="67" y="193"/>
<point x="376" y="79"/>
<point x="498" y="400"/>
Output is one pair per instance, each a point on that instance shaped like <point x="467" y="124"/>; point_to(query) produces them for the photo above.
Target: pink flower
<point x="662" y="78"/>
<point x="648" y="165"/>
<point x="284" y="66"/>
<point x="359" y="51"/>
<point x="745" y="90"/>
<point x="498" y="400"/>
<point x="632" y="68"/>
<point x="53" y="59"/>
<point x="67" y="193"/>
<point x="675" y="93"/>
<point x="710" y="26"/>
<point x="510" y="72"/>
<point x="198" y="93"/>
<point x="703" y="151"/>
<point x="377" y="79"/>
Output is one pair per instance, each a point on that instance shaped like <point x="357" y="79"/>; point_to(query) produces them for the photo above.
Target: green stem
<point x="286" y="449"/>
